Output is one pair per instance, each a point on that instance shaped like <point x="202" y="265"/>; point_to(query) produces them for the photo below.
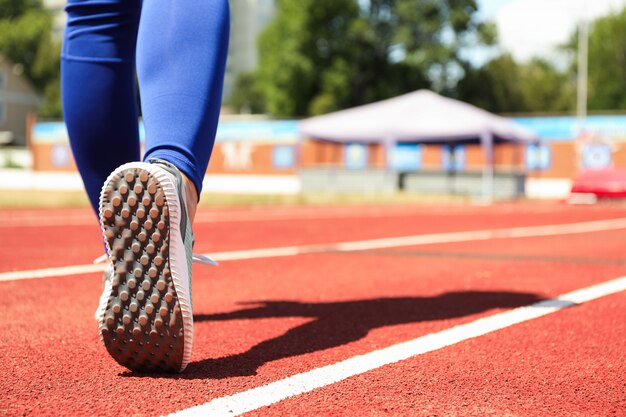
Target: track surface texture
<point x="262" y="320"/>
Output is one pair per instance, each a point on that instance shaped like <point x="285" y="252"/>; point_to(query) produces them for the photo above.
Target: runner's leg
<point x="98" y="87"/>
<point x="181" y="58"/>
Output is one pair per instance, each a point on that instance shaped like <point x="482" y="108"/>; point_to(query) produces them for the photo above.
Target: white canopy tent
<point x="420" y="117"/>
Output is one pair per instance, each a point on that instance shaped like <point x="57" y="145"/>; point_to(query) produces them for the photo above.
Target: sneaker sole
<point x="143" y="325"/>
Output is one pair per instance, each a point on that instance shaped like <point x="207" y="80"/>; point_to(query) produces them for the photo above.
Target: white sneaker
<point x="145" y="312"/>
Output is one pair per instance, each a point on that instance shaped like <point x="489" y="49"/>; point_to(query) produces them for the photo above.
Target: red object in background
<point x="602" y="183"/>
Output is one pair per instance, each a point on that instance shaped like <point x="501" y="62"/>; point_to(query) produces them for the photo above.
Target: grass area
<point x="42" y="199"/>
<point x="324" y="199"/>
<point x="52" y="199"/>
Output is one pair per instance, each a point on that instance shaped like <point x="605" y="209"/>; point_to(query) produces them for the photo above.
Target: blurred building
<point x="248" y="19"/>
<point x="17" y="100"/>
<point x="56" y="7"/>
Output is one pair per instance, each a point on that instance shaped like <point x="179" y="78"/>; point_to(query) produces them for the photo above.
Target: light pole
<point x="581" y="96"/>
<point x="583" y="52"/>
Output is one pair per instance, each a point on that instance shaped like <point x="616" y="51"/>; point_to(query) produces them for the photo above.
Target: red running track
<point x="261" y="320"/>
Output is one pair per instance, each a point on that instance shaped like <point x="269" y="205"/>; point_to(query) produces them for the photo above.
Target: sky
<point x="528" y="28"/>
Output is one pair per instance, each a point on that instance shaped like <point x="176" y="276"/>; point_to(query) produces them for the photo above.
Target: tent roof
<point x="421" y="116"/>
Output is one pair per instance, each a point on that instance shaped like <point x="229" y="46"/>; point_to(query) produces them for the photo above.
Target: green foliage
<point x="607" y="63"/>
<point x="304" y="37"/>
<point x="51" y="105"/>
<point x="504" y="86"/>
<point x="12" y="9"/>
<point x="246" y="96"/>
<point x="494" y="87"/>
<point x="321" y="55"/>
<point x="545" y="89"/>
<point x="25" y="40"/>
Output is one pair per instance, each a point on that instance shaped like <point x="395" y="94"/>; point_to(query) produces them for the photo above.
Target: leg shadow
<point x="339" y="323"/>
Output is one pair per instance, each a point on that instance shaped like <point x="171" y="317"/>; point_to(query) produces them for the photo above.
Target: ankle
<point x="191" y="197"/>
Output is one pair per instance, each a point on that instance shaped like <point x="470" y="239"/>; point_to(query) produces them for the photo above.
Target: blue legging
<point x="178" y="49"/>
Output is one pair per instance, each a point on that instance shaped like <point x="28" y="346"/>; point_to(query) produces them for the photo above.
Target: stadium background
<point x="256" y="146"/>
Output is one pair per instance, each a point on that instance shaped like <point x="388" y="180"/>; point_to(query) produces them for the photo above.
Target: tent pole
<point x="486" y="140"/>
<point x="389" y="144"/>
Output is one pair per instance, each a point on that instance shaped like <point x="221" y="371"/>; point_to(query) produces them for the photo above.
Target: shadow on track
<point x="338" y="323"/>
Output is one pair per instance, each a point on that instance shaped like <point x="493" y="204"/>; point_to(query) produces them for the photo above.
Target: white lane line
<point x="415" y="240"/>
<point x="85" y="219"/>
<point x="429" y="239"/>
<point x="51" y="272"/>
<point x="255" y="398"/>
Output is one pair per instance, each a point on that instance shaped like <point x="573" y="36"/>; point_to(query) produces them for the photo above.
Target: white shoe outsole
<point x="145" y="316"/>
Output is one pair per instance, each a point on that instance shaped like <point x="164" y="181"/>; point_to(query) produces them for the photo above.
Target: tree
<point x="322" y="55"/>
<point x="26" y="41"/>
<point x="607" y="63"/>
<point x="246" y="96"/>
<point x="494" y="87"/>
<point x="12" y="9"/>
<point x="546" y="89"/>
<point x="304" y="38"/>
<point x="504" y="86"/>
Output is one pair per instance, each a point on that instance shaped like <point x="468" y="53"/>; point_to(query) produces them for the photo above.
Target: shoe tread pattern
<point x="142" y="326"/>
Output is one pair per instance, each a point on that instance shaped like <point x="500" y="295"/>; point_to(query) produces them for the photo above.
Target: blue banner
<point x="275" y="131"/>
<point x="355" y="156"/>
<point x="283" y="156"/>
<point x="538" y="157"/>
<point x="405" y="157"/>
<point x="596" y="156"/>
<point x="567" y="128"/>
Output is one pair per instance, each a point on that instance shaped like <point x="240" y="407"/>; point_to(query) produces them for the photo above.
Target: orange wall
<point x="564" y="162"/>
<point x="257" y="158"/>
<point x="259" y="162"/>
<point x="43" y="157"/>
